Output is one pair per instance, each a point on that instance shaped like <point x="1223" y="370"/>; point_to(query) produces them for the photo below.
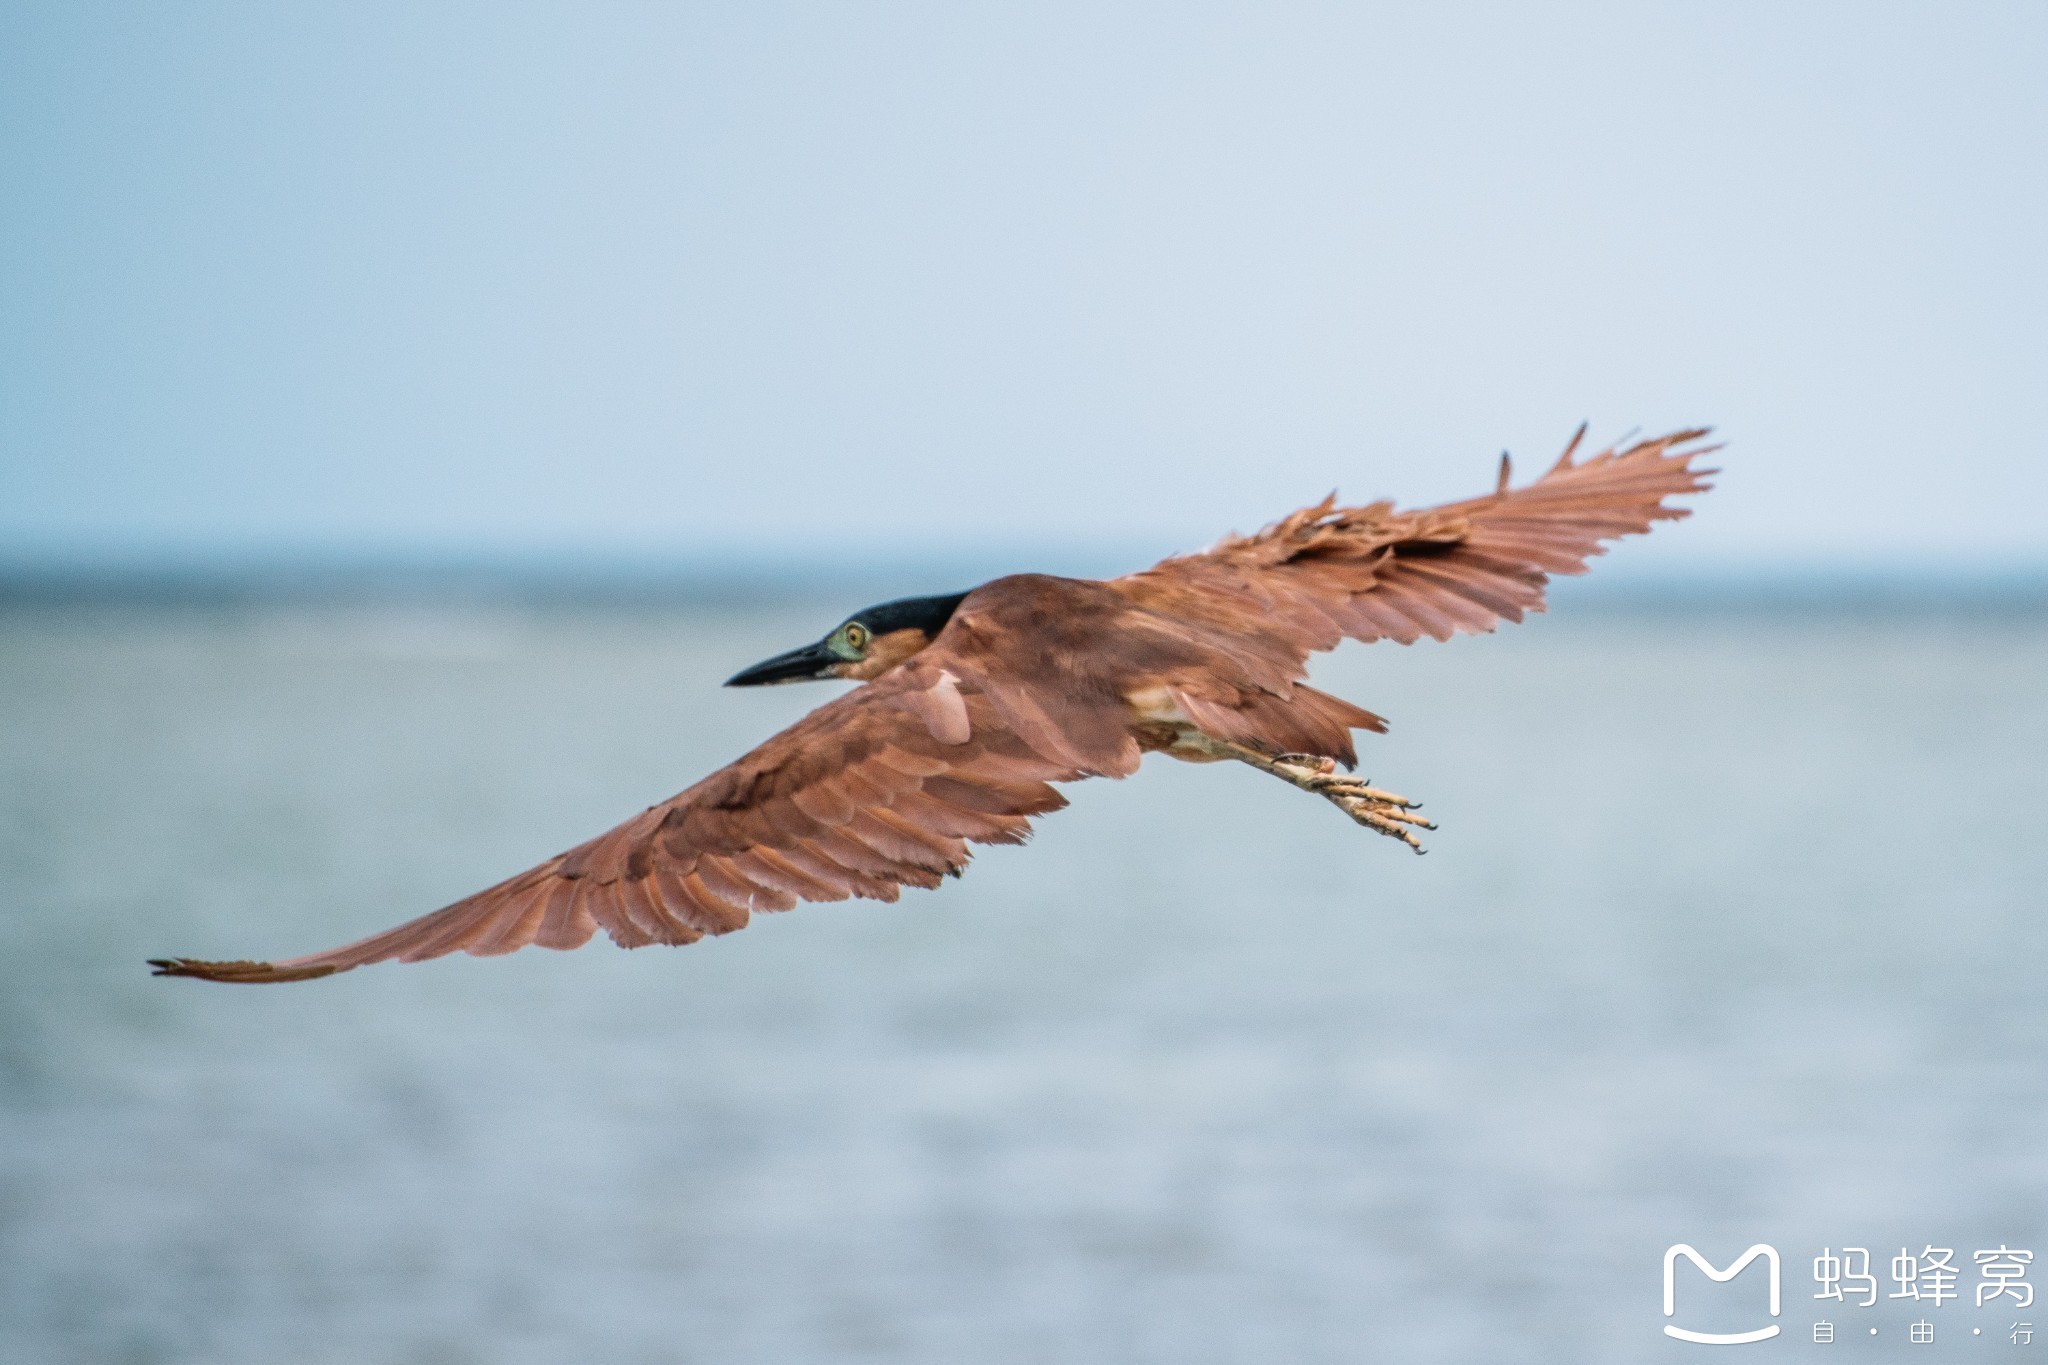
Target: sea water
<point x="1733" y="932"/>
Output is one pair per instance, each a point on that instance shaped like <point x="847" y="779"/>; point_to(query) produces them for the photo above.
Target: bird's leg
<point x="1383" y="811"/>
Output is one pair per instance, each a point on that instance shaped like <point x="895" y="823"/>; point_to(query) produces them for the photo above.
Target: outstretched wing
<point x="876" y="790"/>
<point x="1369" y="573"/>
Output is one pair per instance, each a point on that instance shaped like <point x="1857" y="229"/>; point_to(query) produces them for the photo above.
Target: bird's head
<point x="865" y="645"/>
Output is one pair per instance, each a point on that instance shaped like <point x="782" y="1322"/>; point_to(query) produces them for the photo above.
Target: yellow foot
<point x="1384" y="811"/>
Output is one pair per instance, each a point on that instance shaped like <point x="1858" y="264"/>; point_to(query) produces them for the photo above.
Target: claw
<point x="1383" y="812"/>
<point x="1405" y="818"/>
<point x="1362" y="788"/>
<point x="1376" y="820"/>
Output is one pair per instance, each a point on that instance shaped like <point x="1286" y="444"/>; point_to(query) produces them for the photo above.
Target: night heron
<point x="974" y="703"/>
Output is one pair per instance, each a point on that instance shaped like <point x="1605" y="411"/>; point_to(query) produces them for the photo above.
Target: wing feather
<point x="630" y="925"/>
<point x="516" y="924"/>
<point x="864" y="796"/>
<point x="708" y="910"/>
<point x="1375" y="573"/>
<point x="564" y="925"/>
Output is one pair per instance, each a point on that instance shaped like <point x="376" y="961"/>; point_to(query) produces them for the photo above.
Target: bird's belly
<point x="1161" y="726"/>
<point x="1156" y="706"/>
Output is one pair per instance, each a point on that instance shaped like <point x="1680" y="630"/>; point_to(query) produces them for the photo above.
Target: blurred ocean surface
<point x="1733" y="932"/>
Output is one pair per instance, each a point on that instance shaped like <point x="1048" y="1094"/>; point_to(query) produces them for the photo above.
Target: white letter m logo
<point x="1718" y="1277"/>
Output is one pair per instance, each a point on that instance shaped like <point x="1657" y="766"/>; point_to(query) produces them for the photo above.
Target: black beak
<point x="799" y="665"/>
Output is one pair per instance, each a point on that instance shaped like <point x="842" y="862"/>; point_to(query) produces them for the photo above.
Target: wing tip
<point x="240" y="971"/>
<point x="1571" y="448"/>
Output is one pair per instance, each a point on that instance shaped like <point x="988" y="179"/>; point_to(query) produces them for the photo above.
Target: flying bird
<point x="975" y="703"/>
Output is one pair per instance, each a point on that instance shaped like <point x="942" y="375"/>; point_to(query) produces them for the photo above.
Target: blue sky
<point x="751" y="281"/>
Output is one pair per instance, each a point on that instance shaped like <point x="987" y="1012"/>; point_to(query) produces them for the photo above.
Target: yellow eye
<point x="857" y="635"/>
